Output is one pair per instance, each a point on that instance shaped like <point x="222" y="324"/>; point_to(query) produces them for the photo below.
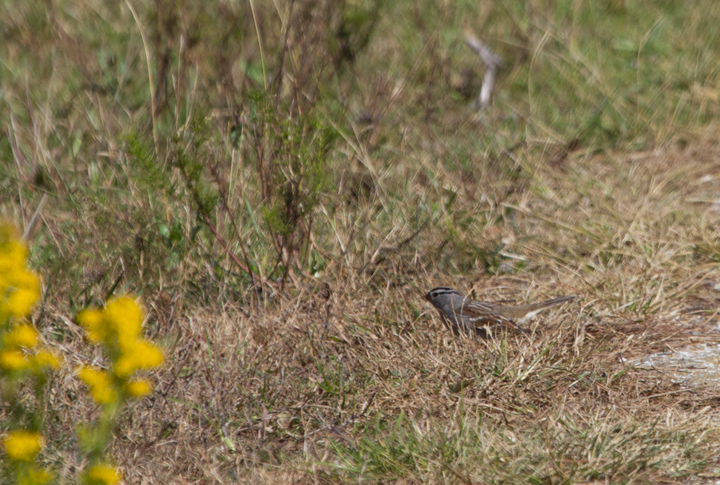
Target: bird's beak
<point x="427" y="296"/>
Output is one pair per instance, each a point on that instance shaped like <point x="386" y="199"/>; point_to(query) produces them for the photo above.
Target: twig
<point x="34" y="217"/>
<point x="491" y="61"/>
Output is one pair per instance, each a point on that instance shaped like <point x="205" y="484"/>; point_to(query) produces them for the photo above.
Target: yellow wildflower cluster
<point x="19" y="290"/>
<point x="100" y="384"/>
<point x="22" y="445"/>
<point x="19" y="350"/>
<point x="119" y="328"/>
<point x="13" y="358"/>
<point x="102" y="475"/>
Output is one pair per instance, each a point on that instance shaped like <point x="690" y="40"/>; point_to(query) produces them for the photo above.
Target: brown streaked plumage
<point x="461" y="313"/>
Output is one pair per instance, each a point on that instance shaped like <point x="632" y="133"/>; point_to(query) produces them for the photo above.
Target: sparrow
<point x="461" y="313"/>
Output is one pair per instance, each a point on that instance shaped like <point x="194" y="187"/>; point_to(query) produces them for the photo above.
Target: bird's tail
<point x="549" y="303"/>
<point x="525" y="312"/>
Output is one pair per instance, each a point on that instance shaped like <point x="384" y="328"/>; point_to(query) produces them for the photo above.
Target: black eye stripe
<point x="442" y="289"/>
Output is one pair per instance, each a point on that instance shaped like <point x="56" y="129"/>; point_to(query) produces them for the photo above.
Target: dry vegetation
<point x="282" y="211"/>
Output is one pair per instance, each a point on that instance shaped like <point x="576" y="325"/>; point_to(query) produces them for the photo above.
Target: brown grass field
<point x="281" y="182"/>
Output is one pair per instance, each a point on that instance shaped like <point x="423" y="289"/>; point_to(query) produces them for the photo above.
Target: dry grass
<point x="327" y="366"/>
<point x="367" y="382"/>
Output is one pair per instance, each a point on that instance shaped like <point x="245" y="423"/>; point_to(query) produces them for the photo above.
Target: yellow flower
<point x="19" y="288"/>
<point x="118" y="325"/>
<point x="22" y="445"/>
<point x="138" y="388"/>
<point x="46" y="359"/>
<point x="22" y="335"/>
<point x="13" y="255"/>
<point x="94" y="323"/>
<point x="103" y="475"/>
<point x="140" y="354"/>
<point x="21" y="301"/>
<point x="100" y="384"/>
<point x="125" y="317"/>
<point x="13" y="360"/>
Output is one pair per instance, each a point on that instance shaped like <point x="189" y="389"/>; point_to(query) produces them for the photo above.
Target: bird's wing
<point x="483" y="315"/>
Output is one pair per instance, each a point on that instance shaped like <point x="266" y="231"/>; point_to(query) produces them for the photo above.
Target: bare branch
<point x="491" y="61"/>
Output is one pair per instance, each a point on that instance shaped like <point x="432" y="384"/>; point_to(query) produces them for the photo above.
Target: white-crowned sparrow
<point x="463" y="314"/>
